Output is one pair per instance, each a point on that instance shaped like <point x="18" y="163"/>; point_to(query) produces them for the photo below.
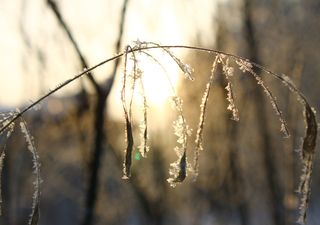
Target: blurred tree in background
<point x="248" y="172"/>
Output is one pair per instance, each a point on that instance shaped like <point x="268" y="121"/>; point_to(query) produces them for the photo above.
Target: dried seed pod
<point x="307" y="155"/>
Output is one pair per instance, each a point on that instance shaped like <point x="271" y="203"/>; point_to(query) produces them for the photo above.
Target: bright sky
<point x="29" y="71"/>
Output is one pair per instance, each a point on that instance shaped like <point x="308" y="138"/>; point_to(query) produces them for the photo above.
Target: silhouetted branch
<point x="120" y="37"/>
<point x="100" y="137"/>
<point x="276" y="198"/>
<point x="53" y="6"/>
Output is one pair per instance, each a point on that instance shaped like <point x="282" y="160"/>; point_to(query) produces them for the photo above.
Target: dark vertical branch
<point x="235" y="171"/>
<point x="277" y="209"/>
<point x="119" y="40"/>
<point x="250" y="33"/>
<point x="102" y="95"/>
<point x="93" y="183"/>
<point x="235" y="174"/>
<point x="5" y="217"/>
<point x="67" y="30"/>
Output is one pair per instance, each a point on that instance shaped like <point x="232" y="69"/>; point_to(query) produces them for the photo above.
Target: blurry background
<point x="248" y="172"/>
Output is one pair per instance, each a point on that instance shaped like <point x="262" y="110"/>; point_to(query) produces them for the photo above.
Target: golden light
<point x="25" y="78"/>
<point x="159" y="81"/>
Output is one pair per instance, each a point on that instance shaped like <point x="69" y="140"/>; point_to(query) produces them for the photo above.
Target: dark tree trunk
<point x="235" y="171"/>
<point x="5" y="191"/>
<point x="276" y="198"/>
<point x="95" y="162"/>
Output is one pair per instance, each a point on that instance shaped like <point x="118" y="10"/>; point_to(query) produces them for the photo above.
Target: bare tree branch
<point x="277" y="207"/>
<point x="53" y="6"/>
<point x="100" y="137"/>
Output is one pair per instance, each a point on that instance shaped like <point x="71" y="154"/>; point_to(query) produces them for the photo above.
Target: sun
<point x="160" y="78"/>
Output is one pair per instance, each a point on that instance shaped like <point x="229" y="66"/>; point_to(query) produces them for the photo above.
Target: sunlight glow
<point x="159" y="83"/>
<point x="159" y="80"/>
<point x="31" y="69"/>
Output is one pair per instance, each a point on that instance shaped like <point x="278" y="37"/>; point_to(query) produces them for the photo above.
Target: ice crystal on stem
<point x="228" y="72"/>
<point x="244" y="65"/>
<point x="178" y="169"/>
<point x="203" y="107"/>
<point x="34" y="217"/>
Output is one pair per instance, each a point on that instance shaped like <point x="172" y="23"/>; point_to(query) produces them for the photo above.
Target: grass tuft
<point x="178" y="169"/>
